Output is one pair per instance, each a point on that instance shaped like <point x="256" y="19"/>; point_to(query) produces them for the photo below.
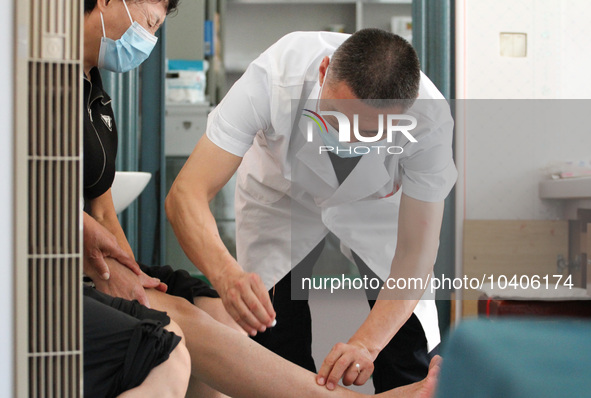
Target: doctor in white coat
<point x="294" y="186"/>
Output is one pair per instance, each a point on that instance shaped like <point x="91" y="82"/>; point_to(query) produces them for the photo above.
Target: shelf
<point x="574" y="192"/>
<point x="568" y="188"/>
<point x="238" y="66"/>
<point x="281" y="17"/>
<point x="387" y="1"/>
<point x="186" y="106"/>
<point x="319" y="1"/>
<point x="283" y="2"/>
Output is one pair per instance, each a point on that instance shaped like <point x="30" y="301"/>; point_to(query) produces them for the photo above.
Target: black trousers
<point x="403" y="361"/>
<point x="123" y="342"/>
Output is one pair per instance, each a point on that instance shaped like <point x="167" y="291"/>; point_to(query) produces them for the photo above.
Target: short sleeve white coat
<point x="287" y="194"/>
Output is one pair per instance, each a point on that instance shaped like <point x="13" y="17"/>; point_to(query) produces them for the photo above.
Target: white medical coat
<point x="287" y="194"/>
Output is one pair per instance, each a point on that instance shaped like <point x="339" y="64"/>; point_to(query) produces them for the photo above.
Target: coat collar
<point x="94" y="88"/>
<point x="367" y="177"/>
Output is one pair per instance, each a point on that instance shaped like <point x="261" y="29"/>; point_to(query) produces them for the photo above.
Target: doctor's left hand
<point x="342" y="361"/>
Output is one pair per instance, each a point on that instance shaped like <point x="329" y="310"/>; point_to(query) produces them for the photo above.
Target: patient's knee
<point x="180" y="370"/>
<point x="215" y="308"/>
<point x="176" y="329"/>
<point x="185" y="314"/>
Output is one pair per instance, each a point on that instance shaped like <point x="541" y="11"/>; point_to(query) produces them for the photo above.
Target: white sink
<point x="566" y="188"/>
<point x="576" y="193"/>
<point x="127" y="186"/>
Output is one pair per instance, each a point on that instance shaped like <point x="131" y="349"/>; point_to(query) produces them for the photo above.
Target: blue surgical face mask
<point x="129" y="51"/>
<point x="343" y="149"/>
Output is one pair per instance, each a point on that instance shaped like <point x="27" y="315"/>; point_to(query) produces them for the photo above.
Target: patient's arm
<point x="98" y="244"/>
<point x="122" y="282"/>
<point x="102" y="209"/>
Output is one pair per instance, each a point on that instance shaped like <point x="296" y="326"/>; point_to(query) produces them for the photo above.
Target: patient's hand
<point x="100" y="244"/>
<point x="126" y="284"/>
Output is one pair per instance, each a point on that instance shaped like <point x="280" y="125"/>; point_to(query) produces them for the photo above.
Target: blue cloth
<point x="517" y="358"/>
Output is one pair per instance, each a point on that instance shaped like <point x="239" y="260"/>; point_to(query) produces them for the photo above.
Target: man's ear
<point x="102" y="5"/>
<point x="322" y="69"/>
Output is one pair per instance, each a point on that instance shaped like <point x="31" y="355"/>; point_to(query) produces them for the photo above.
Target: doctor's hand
<point x="246" y="299"/>
<point x="100" y="244"/>
<point x="126" y="284"/>
<point x="342" y="362"/>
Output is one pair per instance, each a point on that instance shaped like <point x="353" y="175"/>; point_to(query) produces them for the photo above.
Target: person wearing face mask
<point x="124" y="340"/>
<point x="298" y="179"/>
<point x="129" y="350"/>
<point x="118" y="36"/>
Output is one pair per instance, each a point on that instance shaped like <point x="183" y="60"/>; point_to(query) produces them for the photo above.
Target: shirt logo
<point x="108" y="121"/>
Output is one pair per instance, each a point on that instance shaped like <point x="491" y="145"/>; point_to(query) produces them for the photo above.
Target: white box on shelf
<point x="186" y="81"/>
<point x="184" y="126"/>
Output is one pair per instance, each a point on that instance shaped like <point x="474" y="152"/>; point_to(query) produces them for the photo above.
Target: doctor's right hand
<point x="246" y="299"/>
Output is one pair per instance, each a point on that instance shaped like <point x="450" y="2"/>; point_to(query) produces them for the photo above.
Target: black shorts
<point x="180" y="282"/>
<point x="123" y="342"/>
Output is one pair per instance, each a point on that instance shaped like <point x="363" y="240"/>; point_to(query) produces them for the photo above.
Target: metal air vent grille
<point x="48" y="203"/>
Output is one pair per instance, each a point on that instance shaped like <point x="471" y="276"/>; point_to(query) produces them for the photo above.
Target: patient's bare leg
<point x="180" y="309"/>
<point x="170" y="378"/>
<point x="229" y="362"/>
<point x="422" y="389"/>
<point x="214" y="308"/>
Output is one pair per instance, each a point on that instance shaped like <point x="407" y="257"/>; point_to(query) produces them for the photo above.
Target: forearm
<point x="206" y="171"/>
<point x="383" y="322"/>
<point x="112" y="225"/>
<point x="103" y="210"/>
<point x="197" y="232"/>
<point x="394" y="306"/>
<point x="90" y="226"/>
<point x="419" y="224"/>
<point x="99" y="245"/>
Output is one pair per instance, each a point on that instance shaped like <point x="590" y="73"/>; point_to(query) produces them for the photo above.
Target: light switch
<point x="513" y="44"/>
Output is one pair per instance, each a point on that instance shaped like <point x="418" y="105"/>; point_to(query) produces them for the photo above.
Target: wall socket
<point x="513" y="44"/>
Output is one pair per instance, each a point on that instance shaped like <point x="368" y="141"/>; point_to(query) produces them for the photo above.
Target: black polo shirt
<point x="100" y="138"/>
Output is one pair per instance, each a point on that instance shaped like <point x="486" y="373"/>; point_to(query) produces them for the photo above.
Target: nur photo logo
<point x="346" y="141"/>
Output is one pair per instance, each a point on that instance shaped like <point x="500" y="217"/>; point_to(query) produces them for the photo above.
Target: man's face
<point x="338" y="96"/>
<point x="148" y="14"/>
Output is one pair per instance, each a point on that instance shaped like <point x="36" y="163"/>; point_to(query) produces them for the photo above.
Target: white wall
<point x="558" y="49"/>
<point x="502" y="166"/>
<point x="184" y="31"/>
<point x="6" y="195"/>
